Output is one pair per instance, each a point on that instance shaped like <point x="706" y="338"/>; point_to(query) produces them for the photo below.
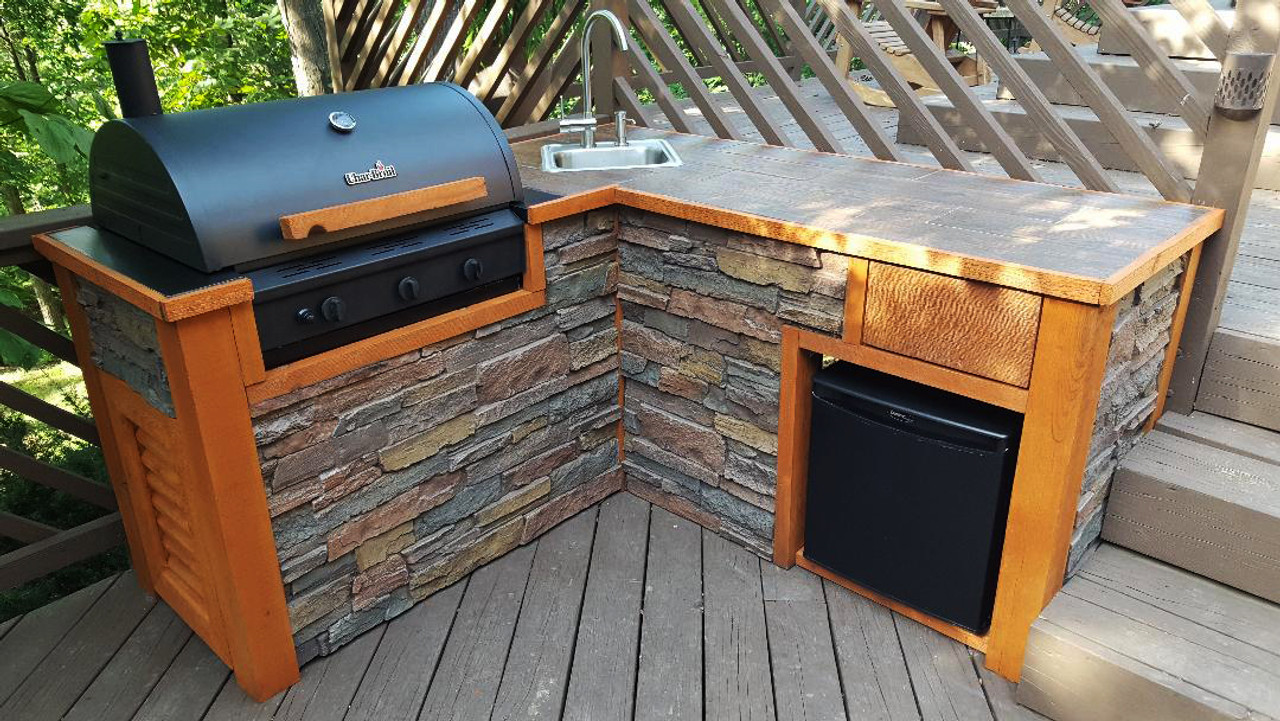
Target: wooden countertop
<point x="1070" y="243"/>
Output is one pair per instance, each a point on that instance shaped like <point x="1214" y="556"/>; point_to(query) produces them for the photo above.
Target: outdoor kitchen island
<point x="662" y="340"/>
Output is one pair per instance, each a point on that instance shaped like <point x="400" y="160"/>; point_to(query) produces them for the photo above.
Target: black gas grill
<point x="209" y="189"/>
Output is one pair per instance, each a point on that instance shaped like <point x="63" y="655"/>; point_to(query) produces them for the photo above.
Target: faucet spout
<point x="620" y="38"/>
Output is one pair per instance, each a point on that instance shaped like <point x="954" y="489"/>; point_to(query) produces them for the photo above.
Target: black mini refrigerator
<point x="908" y="491"/>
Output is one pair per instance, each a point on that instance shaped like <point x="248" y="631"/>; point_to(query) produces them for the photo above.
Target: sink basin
<point x="639" y="153"/>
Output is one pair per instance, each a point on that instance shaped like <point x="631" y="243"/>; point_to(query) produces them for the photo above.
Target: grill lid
<point x="208" y="187"/>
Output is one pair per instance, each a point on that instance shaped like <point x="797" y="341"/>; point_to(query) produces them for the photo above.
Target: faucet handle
<point x="577" y="123"/>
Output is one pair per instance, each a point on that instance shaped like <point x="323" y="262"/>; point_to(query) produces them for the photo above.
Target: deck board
<point x="623" y="611"/>
<point x="537" y="667"/>
<point x="54" y="685"/>
<point x="401" y="670"/>
<point x="602" y="680"/>
<point x="466" y="686"/>
<point x="806" y="684"/>
<point x="669" y="682"/>
<point x="738" y="685"/>
<point x="122" y="686"/>
<point x="32" y="638"/>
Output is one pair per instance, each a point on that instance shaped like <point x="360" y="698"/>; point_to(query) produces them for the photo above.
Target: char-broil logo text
<point x="377" y="172"/>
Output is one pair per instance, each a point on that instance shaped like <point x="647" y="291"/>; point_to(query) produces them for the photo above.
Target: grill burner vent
<point x="309" y="266"/>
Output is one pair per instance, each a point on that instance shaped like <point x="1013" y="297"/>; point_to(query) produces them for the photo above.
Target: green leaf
<point x="25" y="95"/>
<point x="55" y="135"/>
<point x="15" y="351"/>
<point x="10" y="298"/>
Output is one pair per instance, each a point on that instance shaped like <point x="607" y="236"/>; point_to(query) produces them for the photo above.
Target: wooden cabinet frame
<point x="1059" y="406"/>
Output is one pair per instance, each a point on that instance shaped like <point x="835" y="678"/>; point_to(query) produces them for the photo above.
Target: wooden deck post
<point x="608" y="62"/>
<point x="1232" y="151"/>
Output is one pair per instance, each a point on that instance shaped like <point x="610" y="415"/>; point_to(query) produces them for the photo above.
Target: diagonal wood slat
<point x="24" y="530"/>
<point x="697" y="51"/>
<point x="523" y="83"/>
<point x="661" y="93"/>
<point x="1085" y="80"/>
<point x="47" y="413"/>
<point x="486" y="35"/>
<point x="365" y="51"/>
<point x="544" y="90"/>
<point x="931" y="57"/>
<point x="412" y="63"/>
<point x="37" y="334"/>
<point x="630" y="102"/>
<point x="781" y="83"/>
<point x="60" y="550"/>
<point x="855" y="111"/>
<point x="646" y="22"/>
<point x="685" y="17"/>
<point x="408" y="21"/>
<point x="1207" y="24"/>
<point x="450" y="44"/>
<point x="896" y="86"/>
<point x="721" y="31"/>
<point x="511" y="49"/>
<point x="1039" y="109"/>
<point x="1156" y="66"/>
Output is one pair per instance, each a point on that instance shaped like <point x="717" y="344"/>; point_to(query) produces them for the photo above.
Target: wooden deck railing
<point x="522" y="59"/>
<point x="47" y="548"/>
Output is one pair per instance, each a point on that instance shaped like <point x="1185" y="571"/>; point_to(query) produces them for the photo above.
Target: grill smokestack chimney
<point x="134" y="77"/>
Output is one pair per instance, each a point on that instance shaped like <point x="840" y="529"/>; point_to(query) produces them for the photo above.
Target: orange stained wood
<point x="248" y="349"/>
<point x="930" y="374"/>
<point x="622" y="381"/>
<point x="855" y="300"/>
<point x="974" y="327"/>
<point x="328" y="364"/>
<point x="794" y="413"/>
<point x="304" y="225"/>
<point x="1066" y="380"/>
<point x="120" y="481"/>
<point x="228" y="499"/>
<point x="1175" y="335"/>
<point x="950" y="630"/>
<point x="176" y="543"/>
<point x="152" y="302"/>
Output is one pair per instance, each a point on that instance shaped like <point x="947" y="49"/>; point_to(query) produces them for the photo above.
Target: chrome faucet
<point x="586" y="122"/>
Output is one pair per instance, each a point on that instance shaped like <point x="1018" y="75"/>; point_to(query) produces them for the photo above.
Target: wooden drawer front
<point x="973" y="327"/>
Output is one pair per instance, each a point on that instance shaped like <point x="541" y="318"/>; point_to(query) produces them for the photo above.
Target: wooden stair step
<point x="1200" y="507"/>
<point x="1241" y="438"/>
<point x="1124" y="76"/>
<point x="1167" y="27"/>
<point x="1178" y="143"/>
<point x="1242" y="372"/>
<point x="1132" y="639"/>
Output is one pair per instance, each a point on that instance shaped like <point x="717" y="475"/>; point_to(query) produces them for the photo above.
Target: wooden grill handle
<point x="300" y="226"/>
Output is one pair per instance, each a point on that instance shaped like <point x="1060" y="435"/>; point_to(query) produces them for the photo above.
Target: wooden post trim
<point x="1062" y="402"/>
<point x="1175" y="335"/>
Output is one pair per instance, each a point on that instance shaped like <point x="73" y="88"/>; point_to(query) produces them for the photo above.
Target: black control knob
<point x="473" y="269"/>
<point x="409" y="288"/>
<point x="306" y="315"/>
<point x="334" y="309"/>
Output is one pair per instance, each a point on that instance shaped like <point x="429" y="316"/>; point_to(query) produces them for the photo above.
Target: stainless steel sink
<point x="639" y="153"/>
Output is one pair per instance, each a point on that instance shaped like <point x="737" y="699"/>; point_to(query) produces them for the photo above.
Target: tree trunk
<point x="304" y="21"/>
<point x="50" y="306"/>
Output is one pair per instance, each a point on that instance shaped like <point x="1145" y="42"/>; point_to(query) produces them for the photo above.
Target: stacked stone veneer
<point x="392" y="481"/>
<point x="124" y="344"/>
<point x="1139" y="339"/>
<point x="703" y="310"/>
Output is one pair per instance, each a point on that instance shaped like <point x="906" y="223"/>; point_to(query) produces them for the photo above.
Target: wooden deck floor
<point x="624" y="611"/>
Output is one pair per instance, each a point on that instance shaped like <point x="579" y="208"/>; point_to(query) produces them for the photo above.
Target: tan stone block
<point x="317" y="603"/>
<point x="514" y="501"/>
<point x="764" y="271"/>
<point x="704" y="365"/>
<point x="520" y="432"/>
<point x="446" y="572"/>
<point x="376" y="549"/>
<point x="670" y="381"/>
<point x="747" y="433"/>
<point x="428" y="443"/>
